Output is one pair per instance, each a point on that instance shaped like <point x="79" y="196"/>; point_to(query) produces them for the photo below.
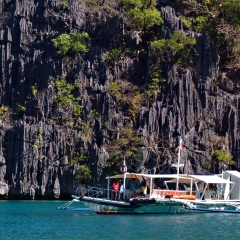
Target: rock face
<point x="190" y="104"/>
<point x="3" y="190"/>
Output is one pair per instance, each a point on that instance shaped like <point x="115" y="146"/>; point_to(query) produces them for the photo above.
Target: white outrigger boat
<point x="160" y="201"/>
<point x="197" y="197"/>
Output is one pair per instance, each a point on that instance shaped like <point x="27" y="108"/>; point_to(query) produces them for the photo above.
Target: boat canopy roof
<point x="140" y="175"/>
<point x="183" y="180"/>
<point x="181" y="177"/>
<point x="201" y="178"/>
<point x="210" y="179"/>
<point x="233" y="173"/>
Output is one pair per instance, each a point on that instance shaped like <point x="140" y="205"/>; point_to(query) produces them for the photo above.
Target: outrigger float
<point x="66" y="206"/>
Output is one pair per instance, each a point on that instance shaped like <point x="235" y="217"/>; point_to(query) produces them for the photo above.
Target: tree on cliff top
<point x="220" y="19"/>
<point x="143" y="13"/>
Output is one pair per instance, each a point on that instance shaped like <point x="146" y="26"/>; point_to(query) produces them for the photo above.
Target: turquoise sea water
<point x="41" y="220"/>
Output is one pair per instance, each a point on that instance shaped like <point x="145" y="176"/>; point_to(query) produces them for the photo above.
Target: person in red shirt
<point x="115" y="189"/>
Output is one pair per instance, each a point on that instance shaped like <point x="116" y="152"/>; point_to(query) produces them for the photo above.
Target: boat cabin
<point x="192" y="186"/>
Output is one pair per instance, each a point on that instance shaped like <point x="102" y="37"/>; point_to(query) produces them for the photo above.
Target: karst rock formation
<point x="190" y="104"/>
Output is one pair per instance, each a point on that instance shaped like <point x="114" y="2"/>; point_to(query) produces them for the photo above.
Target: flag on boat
<point x="181" y="144"/>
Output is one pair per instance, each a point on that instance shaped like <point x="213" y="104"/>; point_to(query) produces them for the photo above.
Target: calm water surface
<point x="40" y="220"/>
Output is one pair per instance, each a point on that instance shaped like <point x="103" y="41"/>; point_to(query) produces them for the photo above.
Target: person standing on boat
<point x="144" y="186"/>
<point x="217" y="190"/>
<point x="115" y="190"/>
<point x="121" y="191"/>
<point x="132" y="186"/>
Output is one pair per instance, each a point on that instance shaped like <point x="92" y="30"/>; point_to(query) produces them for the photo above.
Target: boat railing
<point x="95" y="192"/>
<point x="103" y="193"/>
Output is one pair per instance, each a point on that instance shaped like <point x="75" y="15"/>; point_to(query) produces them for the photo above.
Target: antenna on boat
<point x="178" y="165"/>
<point x="123" y="170"/>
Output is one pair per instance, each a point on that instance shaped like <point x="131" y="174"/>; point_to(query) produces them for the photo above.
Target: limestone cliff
<point x="189" y="104"/>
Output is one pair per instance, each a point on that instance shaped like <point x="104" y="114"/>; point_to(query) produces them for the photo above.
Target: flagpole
<point x="179" y="155"/>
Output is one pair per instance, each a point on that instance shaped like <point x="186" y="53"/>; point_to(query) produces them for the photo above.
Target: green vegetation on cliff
<point x="219" y="19"/>
<point x="176" y="49"/>
<point x="71" y="43"/>
<point x="143" y="14"/>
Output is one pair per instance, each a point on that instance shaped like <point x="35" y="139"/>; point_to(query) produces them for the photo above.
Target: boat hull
<point x="215" y="210"/>
<point x="152" y="206"/>
<point x="217" y="207"/>
<point x="136" y="206"/>
<point x="73" y="209"/>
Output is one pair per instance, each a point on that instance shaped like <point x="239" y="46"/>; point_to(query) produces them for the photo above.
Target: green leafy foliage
<point x="38" y="139"/>
<point x="84" y="174"/>
<point x="202" y="24"/>
<point x="79" y="158"/>
<point x="153" y="88"/>
<point x="71" y="43"/>
<point x="88" y="125"/>
<point x="34" y="89"/>
<point x="187" y="22"/>
<point x="176" y="48"/>
<point x="65" y="2"/>
<point x="114" y="57"/>
<point x="220" y="20"/>
<point x="127" y="97"/>
<point x="4" y="112"/>
<point x="225" y="156"/>
<point x="115" y="91"/>
<point x="143" y="13"/>
<point x="20" y="109"/>
<point x="135" y="104"/>
<point x="127" y="144"/>
<point x="231" y="9"/>
<point x="67" y="104"/>
<point x="63" y="91"/>
<point x="224" y="9"/>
